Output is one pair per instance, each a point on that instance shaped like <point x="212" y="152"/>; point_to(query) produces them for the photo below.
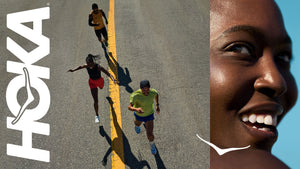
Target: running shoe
<point x="137" y="129"/>
<point x="97" y="119"/>
<point x="153" y="149"/>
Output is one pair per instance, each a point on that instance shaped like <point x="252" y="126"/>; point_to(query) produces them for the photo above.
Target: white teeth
<point x="245" y="118"/>
<point x="254" y="127"/>
<point x="252" y="118"/>
<point x="268" y="120"/>
<point x="264" y="129"/>
<point x="260" y="118"/>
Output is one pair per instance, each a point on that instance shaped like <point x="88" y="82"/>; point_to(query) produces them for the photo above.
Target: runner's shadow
<point x="122" y="150"/>
<point x="122" y="75"/>
<point x="160" y="164"/>
<point x="104" y="134"/>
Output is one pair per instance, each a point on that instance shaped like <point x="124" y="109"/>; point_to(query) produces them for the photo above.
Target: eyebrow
<point x="252" y="31"/>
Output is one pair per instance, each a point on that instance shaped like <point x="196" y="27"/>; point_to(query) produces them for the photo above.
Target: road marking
<point x="117" y="157"/>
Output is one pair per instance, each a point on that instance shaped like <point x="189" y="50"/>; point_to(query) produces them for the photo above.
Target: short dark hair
<point x="144" y="83"/>
<point x="94" y="6"/>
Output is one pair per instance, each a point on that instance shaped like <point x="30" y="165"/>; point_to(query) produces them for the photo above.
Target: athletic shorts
<point x="96" y="83"/>
<point x="101" y="31"/>
<point x="144" y="119"/>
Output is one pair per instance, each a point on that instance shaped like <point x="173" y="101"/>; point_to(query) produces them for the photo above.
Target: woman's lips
<point x="264" y="123"/>
<point x="261" y="120"/>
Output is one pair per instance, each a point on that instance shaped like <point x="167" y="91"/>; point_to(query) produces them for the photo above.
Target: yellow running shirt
<point x="97" y="19"/>
<point x="138" y="99"/>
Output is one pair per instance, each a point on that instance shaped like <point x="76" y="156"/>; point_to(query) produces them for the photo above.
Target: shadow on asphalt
<point x="160" y="164"/>
<point x="126" y="156"/>
<point x="122" y="75"/>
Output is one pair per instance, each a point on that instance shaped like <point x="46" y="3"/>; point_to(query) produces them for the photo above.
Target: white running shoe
<point x="97" y="119"/>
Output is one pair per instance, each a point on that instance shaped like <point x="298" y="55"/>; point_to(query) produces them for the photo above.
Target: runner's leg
<point x="94" y="92"/>
<point x="137" y="123"/>
<point x="98" y="34"/>
<point x="149" y="130"/>
<point x="104" y="34"/>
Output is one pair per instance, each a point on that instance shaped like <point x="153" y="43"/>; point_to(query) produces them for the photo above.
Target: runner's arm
<point x="91" y="20"/>
<point x="78" y="68"/>
<point x="157" y="104"/>
<point x="103" y="14"/>
<point x="108" y="74"/>
<point x="131" y="108"/>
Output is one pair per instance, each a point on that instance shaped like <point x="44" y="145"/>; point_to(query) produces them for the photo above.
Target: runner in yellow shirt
<point x="142" y="103"/>
<point x="96" y="20"/>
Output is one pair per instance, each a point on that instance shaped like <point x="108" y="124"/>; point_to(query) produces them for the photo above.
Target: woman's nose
<point x="270" y="81"/>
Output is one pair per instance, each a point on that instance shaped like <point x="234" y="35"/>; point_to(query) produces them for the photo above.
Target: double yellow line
<point x="115" y="111"/>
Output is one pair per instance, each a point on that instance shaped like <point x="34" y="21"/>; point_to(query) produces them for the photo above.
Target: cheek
<point x="229" y="89"/>
<point x="221" y="99"/>
<point x="292" y="92"/>
<point x="220" y="86"/>
<point x="220" y="96"/>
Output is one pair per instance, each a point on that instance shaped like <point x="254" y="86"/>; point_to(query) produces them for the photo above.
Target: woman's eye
<point x="239" y="48"/>
<point x="284" y="57"/>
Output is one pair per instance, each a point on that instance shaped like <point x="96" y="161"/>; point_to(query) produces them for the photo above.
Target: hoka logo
<point x="28" y="76"/>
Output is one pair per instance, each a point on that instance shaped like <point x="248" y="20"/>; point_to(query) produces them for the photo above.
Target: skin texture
<point x="250" y="54"/>
<point x="247" y="159"/>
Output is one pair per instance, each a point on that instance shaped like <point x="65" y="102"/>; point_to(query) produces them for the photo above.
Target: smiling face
<point x="251" y="84"/>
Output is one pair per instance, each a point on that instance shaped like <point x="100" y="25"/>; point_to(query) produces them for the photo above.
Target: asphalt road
<point x="166" y="42"/>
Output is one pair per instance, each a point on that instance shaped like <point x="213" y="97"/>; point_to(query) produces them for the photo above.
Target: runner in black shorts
<point x="96" y="20"/>
<point x="103" y="32"/>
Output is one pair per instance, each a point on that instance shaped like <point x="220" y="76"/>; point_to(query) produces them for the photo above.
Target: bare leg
<point x="94" y="92"/>
<point x="106" y="38"/>
<point x="137" y="123"/>
<point x="149" y="130"/>
<point x="100" y="39"/>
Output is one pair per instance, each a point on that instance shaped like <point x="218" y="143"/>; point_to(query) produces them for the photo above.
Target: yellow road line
<point x="115" y="116"/>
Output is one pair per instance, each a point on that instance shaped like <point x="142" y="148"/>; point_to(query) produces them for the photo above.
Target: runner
<point x="96" y="20"/>
<point x="96" y="80"/>
<point x="141" y="102"/>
